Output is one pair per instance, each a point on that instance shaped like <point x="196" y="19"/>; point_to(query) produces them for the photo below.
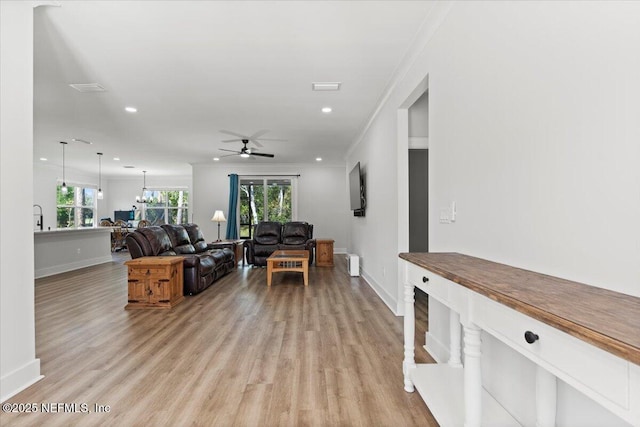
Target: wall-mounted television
<point x="356" y="191"/>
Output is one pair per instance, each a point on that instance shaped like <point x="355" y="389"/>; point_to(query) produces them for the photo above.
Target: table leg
<point x="305" y="272"/>
<point x="472" y="377"/>
<point x="409" y="362"/>
<point x="269" y="272"/>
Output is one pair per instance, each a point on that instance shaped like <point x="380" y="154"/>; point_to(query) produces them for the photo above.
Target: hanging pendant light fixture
<point x="142" y="198"/>
<point x="64" y="188"/>
<point x="100" y="194"/>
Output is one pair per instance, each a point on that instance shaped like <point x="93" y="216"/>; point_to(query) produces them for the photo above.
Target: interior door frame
<point x="403" y="182"/>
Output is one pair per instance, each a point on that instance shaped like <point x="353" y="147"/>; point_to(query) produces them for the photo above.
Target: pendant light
<point x="64" y="188"/>
<point x="142" y="198"/>
<point x="100" y="194"/>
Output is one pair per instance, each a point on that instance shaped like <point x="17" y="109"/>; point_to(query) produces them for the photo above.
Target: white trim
<point x="19" y="379"/>
<point x="63" y="268"/>
<point x="384" y="295"/>
<point x="418" y="142"/>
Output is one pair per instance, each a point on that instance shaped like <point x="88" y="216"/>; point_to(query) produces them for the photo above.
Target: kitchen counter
<point x="65" y="249"/>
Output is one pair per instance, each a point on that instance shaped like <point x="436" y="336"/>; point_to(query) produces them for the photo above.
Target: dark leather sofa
<point x="269" y="237"/>
<point x="202" y="266"/>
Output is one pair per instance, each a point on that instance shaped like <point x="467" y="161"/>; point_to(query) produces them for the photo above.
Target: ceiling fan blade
<point x="257" y="134"/>
<point x="228" y="132"/>
<point x="272" y="139"/>
<point x="228" y="155"/>
<point x="263" y="155"/>
<point x="231" y="140"/>
<point x="255" y="141"/>
<point x="231" y="151"/>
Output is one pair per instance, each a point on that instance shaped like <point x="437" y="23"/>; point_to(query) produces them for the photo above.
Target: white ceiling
<point x="193" y="68"/>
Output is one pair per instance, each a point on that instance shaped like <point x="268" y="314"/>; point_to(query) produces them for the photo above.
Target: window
<point x="166" y="207"/>
<point x="264" y="199"/>
<point x="76" y="208"/>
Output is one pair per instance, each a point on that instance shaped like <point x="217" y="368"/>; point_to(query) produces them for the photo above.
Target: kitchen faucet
<point x="40" y="223"/>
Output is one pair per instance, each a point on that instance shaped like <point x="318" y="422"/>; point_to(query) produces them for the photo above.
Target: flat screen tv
<point x="356" y="191"/>
<point x="124" y="215"/>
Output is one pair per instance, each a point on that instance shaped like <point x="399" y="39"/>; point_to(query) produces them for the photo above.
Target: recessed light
<point x="216" y="159"/>
<point x="44" y="159"/>
<point x="117" y="159"/>
<point x="326" y="109"/>
<point x="131" y="109"/>
<point x="318" y="159"/>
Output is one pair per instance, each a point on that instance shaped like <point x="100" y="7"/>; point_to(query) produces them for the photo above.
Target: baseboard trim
<point x="19" y="379"/>
<point x="436" y="348"/>
<point x="384" y="295"/>
<point x="63" y="268"/>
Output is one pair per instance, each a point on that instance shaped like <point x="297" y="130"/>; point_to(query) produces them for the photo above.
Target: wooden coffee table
<point x="288" y="261"/>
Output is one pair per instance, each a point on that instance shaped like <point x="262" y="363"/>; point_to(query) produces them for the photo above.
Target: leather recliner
<point x="269" y="237"/>
<point x="201" y="266"/>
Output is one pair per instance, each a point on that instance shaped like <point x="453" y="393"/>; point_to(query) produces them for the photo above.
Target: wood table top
<point x="285" y="255"/>
<point x="155" y="260"/>
<point x="604" y="318"/>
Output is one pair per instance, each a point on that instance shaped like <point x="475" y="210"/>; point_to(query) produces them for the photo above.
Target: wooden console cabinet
<point x="585" y="336"/>
<point x="324" y="252"/>
<point x="155" y="282"/>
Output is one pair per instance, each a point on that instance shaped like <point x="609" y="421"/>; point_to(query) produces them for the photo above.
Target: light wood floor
<point x="239" y="353"/>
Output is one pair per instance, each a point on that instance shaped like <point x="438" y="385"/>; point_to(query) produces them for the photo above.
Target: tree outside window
<point x="263" y="199"/>
<point x="76" y="208"/>
<point x="167" y="207"/>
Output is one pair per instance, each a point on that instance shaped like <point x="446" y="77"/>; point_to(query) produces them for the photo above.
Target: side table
<point x="154" y="282"/>
<point x="324" y="252"/>
<point x="236" y="245"/>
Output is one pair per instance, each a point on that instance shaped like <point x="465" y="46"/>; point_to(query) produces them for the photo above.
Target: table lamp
<point x="218" y="217"/>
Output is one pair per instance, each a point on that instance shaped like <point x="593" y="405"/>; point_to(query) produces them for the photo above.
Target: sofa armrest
<point x="192" y="261"/>
<point x="310" y="246"/>
<point x="249" y="253"/>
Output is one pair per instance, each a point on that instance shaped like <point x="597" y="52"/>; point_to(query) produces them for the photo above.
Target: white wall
<point x="534" y="133"/>
<point x="322" y="197"/>
<point x="18" y="365"/>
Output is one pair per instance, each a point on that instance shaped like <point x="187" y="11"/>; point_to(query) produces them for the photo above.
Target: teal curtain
<point x="232" y="222"/>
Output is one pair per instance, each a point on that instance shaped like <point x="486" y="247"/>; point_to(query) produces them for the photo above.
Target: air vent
<point x="88" y="87"/>
<point x="129" y="167"/>
<point x="324" y="86"/>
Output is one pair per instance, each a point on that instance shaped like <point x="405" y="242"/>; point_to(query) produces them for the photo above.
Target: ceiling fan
<point x="246" y="152"/>
<point x="255" y="138"/>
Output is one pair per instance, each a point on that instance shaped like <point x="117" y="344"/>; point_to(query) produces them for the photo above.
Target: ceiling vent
<point x="325" y="86"/>
<point x="87" y="87"/>
<point x="129" y="167"/>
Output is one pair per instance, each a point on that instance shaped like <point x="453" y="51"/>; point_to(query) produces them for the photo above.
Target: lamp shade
<point x="218" y="216"/>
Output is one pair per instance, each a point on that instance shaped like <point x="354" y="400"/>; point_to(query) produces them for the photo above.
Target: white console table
<point x="588" y="337"/>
